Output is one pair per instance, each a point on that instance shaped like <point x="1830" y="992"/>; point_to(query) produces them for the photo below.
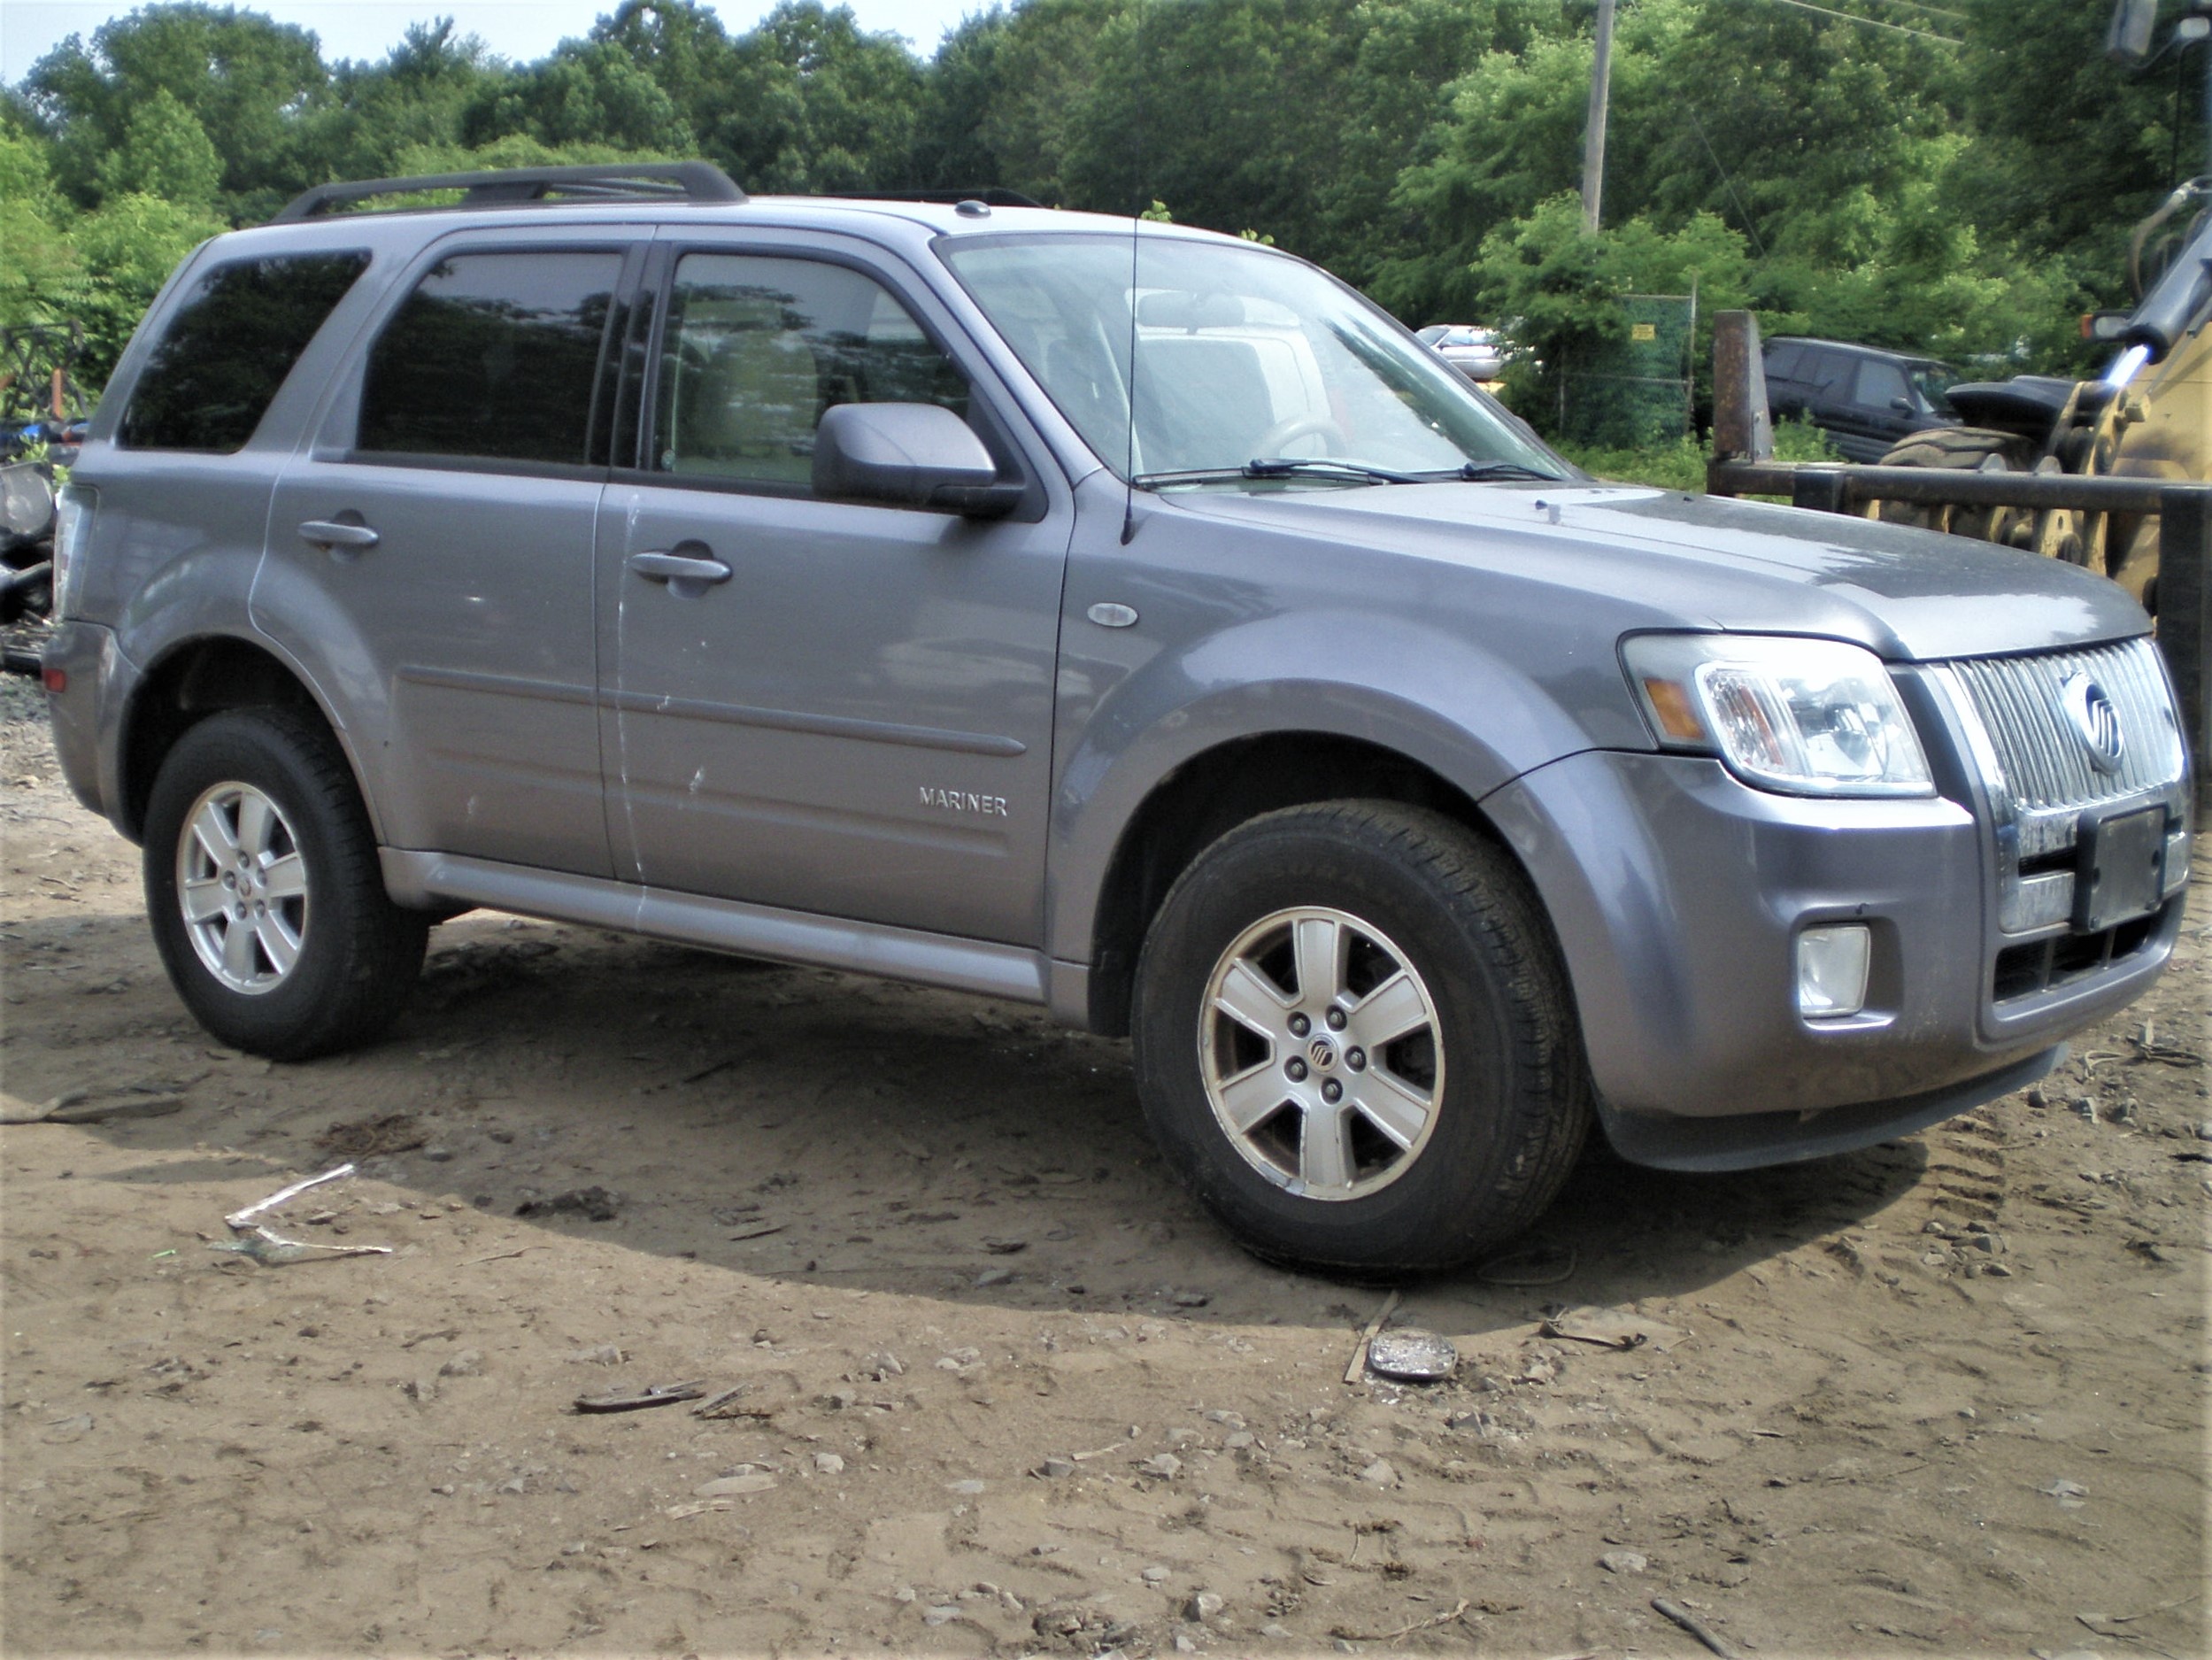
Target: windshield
<point x="1934" y="380"/>
<point x="1242" y="355"/>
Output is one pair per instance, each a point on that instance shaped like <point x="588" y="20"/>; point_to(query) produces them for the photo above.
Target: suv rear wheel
<point x="1355" y="1043"/>
<point x="263" y="888"/>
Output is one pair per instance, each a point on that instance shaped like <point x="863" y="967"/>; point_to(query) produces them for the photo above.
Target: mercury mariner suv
<point x="1114" y="617"/>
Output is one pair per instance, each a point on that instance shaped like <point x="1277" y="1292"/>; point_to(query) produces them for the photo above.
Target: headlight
<point x="1804" y="717"/>
<point x="72" y="526"/>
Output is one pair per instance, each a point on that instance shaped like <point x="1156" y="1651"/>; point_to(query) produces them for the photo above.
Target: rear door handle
<point x="329" y="535"/>
<point x="680" y="569"/>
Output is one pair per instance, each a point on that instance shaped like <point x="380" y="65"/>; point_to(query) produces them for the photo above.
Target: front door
<point x="821" y="706"/>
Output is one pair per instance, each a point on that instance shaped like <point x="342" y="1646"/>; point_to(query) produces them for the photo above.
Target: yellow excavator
<point x="2149" y="415"/>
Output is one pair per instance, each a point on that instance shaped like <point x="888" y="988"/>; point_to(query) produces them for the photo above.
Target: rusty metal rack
<point x="1743" y="438"/>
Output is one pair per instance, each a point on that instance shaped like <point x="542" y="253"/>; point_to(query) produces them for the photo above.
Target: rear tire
<point x="1402" y="1084"/>
<point x="265" y="893"/>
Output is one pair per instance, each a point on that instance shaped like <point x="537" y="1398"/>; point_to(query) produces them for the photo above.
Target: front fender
<point x="1432" y="696"/>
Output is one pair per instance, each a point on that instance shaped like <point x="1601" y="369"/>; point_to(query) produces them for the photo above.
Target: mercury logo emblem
<point x="2095" y="722"/>
<point x="1323" y="1053"/>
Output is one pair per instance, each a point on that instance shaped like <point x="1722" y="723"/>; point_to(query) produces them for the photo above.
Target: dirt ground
<point x="1004" y="1389"/>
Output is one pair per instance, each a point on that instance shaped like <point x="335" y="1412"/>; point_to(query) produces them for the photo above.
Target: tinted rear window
<point x="1781" y="361"/>
<point x="227" y="348"/>
<point x="494" y="355"/>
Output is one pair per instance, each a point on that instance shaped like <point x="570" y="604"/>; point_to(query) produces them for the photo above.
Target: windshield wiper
<point x="1285" y="467"/>
<point x="1351" y="472"/>
<point x="1476" y="472"/>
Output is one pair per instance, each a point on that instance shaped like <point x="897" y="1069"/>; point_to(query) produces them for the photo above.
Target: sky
<point x="517" y="29"/>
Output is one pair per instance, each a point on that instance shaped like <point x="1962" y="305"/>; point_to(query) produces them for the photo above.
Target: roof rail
<point x="991" y="195"/>
<point x="698" y="181"/>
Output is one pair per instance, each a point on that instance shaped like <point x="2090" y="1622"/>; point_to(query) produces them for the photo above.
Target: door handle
<point x="329" y="535"/>
<point x="680" y="568"/>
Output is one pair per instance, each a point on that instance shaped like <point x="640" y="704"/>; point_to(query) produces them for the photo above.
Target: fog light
<point x="1832" y="969"/>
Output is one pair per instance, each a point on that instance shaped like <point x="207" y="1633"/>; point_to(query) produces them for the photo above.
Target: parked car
<point x="1864" y="398"/>
<point x="801" y="578"/>
<point x="1476" y="353"/>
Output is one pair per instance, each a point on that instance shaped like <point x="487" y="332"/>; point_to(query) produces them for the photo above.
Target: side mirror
<point x="2128" y="38"/>
<point x="909" y="455"/>
<point x="1903" y="406"/>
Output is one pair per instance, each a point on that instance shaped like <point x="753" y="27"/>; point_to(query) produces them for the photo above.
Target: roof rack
<point x="693" y="181"/>
<point x="991" y="195"/>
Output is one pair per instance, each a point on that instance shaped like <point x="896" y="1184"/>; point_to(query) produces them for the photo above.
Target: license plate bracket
<point x="2121" y="869"/>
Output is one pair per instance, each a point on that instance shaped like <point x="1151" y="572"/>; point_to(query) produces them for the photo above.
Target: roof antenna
<point x="1136" y="220"/>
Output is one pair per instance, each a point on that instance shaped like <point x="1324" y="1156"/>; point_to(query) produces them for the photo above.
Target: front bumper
<point x="1678" y="892"/>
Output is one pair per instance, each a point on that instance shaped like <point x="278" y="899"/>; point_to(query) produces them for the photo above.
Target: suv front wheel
<point x="263" y="888"/>
<point x="1355" y="1041"/>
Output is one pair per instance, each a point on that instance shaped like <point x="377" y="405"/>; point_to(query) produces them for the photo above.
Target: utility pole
<point x="1593" y="148"/>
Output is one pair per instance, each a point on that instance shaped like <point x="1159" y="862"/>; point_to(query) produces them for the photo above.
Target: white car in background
<point x="1476" y="353"/>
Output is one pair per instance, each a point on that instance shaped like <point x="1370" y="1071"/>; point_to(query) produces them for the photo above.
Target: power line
<point x="1915" y="5"/>
<point x="1872" y="23"/>
<point x="1756" y="241"/>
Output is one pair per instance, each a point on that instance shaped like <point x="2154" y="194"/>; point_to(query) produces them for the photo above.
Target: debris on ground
<point x="593" y="1204"/>
<point x="262" y="1244"/>
<point x="1411" y="1356"/>
<point x="1530" y="1265"/>
<point x="651" y="1395"/>
<point x="373" y="1138"/>
<point x="1613" y="1328"/>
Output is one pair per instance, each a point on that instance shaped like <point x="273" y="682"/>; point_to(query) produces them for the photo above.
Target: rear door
<point x="435" y="541"/>
<point x="848" y="709"/>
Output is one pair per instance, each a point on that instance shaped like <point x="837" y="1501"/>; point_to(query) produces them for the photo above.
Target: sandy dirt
<point x="1004" y="1389"/>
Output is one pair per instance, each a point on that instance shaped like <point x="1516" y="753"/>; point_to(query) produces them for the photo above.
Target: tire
<point x="256" y="807"/>
<point x="1436" y="934"/>
<point x="1964" y="449"/>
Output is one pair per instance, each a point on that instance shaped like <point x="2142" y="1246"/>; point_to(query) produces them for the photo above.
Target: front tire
<point x="264" y="892"/>
<point x="1355" y="1041"/>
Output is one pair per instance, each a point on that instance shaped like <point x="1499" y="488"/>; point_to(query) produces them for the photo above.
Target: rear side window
<point x="494" y="356"/>
<point x="1830" y="374"/>
<point x="1781" y="361"/>
<point x="227" y="348"/>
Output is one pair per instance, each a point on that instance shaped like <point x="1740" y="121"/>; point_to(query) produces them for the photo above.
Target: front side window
<point x="227" y="348"/>
<point x="1246" y="363"/>
<point x="494" y="356"/>
<point x="1880" y="385"/>
<point x="756" y="350"/>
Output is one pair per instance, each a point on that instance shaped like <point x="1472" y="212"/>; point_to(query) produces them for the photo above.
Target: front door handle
<point x="680" y="569"/>
<point x="330" y="535"/>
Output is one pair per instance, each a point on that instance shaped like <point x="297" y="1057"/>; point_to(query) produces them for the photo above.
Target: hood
<point x="1712" y="562"/>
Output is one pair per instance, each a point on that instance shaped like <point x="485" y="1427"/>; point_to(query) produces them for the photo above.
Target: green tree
<point x="164" y="153"/>
<point x="248" y="82"/>
<point x="815" y="103"/>
<point x="961" y="88"/>
<point x="586" y="93"/>
<point x="417" y="97"/>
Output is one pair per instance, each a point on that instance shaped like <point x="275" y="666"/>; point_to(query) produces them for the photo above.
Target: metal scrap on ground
<point x="1613" y="1328"/>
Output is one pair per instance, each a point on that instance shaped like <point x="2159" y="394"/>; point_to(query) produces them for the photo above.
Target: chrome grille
<point x="2045" y="766"/>
<point x="2037" y="771"/>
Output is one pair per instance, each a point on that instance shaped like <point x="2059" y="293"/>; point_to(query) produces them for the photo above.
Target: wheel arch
<point x="1209" y="793"/>
<point x="193" y="679"/>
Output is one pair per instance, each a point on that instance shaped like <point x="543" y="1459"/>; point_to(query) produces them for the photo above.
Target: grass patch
<point x="1681" y="465"/>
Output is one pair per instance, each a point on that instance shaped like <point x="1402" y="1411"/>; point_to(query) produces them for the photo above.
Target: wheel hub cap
<point x="1320" y="1050"/>
<point x="241" y="887"/>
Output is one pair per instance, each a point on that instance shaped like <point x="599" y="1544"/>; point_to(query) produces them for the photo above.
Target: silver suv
<point x="1114" y="617"/>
